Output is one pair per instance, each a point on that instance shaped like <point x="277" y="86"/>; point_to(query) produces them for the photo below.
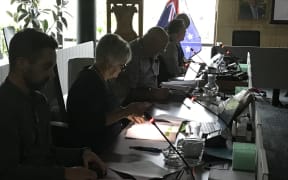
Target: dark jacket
<point x="89" y="100"/>
<point x="26" y="151"/>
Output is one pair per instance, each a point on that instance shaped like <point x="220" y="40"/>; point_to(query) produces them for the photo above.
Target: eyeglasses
<point x="123" y="67"/>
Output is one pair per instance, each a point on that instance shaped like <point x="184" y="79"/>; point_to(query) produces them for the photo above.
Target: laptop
<point x="228" y="111"/>
<point x="185" y="83"/>
<point x="191" y="73"/>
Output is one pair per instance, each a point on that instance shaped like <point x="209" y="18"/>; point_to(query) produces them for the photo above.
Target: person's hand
<point x="136" y="111"/>
<point x="79" y="173"/>
<point x="136" y="119"/>
<point x="91" y="159"/>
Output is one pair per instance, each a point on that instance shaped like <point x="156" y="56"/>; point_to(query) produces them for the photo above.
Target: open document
<point x="167" y="124"/>
<point x="139" y="169"/>
<point x="179" y="85"/>
<point x="111" y="175"/>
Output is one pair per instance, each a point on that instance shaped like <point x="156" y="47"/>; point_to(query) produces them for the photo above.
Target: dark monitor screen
<point x="269" y="67"/>
<point x="8" y="33"/>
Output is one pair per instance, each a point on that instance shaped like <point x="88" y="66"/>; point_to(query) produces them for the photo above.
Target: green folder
<point x="243" y="67"/>
<point x="244" y="156"/>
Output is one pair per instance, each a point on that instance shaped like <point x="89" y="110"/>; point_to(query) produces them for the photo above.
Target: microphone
<point x="152" y="121"/>
<point x="194" y="53"/>
<point x="229" y="53"/>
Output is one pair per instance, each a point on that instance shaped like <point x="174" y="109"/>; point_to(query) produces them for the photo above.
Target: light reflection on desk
<point x="188" y="110"/>
<point x="191" y="111"/>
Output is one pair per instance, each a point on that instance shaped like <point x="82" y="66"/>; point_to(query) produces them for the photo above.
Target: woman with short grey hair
<point x="93" y="111"/>
<point x="112" y="50"/>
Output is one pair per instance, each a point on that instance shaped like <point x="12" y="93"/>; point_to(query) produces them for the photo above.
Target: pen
<point x="186" y="105"/>
<point x="148" y="149"/>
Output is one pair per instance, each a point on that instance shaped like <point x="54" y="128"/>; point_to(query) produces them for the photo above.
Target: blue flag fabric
<point x="191" y="44"/>
<point x="167" y="15"/>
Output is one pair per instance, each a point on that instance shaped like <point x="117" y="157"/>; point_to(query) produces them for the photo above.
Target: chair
<point x="124" y="11"/>
<point x="54" y="96"/>
<point x="8" y="33"/>
<point x="75" y="65"/>
<point x="245" y="38"/>
<point x="59" y="126"/>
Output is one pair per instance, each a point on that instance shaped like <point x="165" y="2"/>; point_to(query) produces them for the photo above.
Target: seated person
<point x="94" y="113"/>
<point x="26" y="151"/>
<point x="169" y="59"/>
<point x="139" y="81"/>
<point x="181" y="57"/>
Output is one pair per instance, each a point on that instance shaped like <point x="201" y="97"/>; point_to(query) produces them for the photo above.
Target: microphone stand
<point x="152" y="121"/>
<point x="194" y="53"/>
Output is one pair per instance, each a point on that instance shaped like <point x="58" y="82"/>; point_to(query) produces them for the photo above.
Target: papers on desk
<point x="179" y="85"/>
<point x="145" y="169"/>
<point x="111" y="175"/>
<point x="167" y="124"/>
<point x="216" y="174"/>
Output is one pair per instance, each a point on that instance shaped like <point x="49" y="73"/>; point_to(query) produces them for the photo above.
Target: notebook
<point x="228" y="111"/>
<point x="169" y="125"/>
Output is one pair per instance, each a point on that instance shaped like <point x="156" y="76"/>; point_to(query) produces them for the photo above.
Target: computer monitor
<point x="238" y="53"/>
<point x="269" y="70"/>
<point x="8" y="33"/>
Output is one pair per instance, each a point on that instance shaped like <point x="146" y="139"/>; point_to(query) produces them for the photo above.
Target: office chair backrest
<point x="75" y="65"/>
<point x="245" y="38"/>
<point x="54" y="95"/>
<point x="8" y="33"/>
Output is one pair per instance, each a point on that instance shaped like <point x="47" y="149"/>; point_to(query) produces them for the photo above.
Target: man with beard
<point x="26" y="151"/>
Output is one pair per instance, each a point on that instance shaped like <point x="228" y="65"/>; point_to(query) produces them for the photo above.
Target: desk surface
<point x="121" y="152"/>
<point x="189" y="110"/>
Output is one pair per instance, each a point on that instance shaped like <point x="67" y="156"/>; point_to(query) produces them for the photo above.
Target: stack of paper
<point x="139" y="169"/>
<point x="148" y="131"/>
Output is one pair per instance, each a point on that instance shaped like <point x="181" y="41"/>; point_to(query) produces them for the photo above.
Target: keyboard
<point x="210" y="127"/>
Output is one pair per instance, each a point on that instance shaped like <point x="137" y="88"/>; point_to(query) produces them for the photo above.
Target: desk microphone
<point x="152" y="121"/>
<point x="229" y="53"/>
<point x="194" y="53"/>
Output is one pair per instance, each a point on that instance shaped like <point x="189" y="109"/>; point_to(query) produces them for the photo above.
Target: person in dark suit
<point x="169" y="60"/>
<point x="250" y="9"/>
<point x="26" y="149"/>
